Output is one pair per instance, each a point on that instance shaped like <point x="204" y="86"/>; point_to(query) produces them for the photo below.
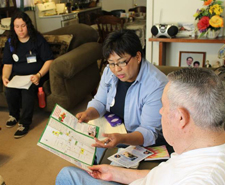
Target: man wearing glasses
<point x="130" y="88"/>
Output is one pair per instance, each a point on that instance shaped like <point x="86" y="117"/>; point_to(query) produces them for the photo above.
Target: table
<point x="163" y="41"/>
<point x="139" y="26"/>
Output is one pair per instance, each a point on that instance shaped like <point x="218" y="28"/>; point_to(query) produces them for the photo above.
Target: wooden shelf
<point x="163" y="41"/>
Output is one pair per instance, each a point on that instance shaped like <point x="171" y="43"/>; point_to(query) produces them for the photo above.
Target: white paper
<point x="130" y="156"/>
<point x="105" y="127"/>
<point x="119" y="165"/>
<point x="20" y="82"/>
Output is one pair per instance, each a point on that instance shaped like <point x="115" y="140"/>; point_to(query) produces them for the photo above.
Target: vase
<point x="212" y="34"/>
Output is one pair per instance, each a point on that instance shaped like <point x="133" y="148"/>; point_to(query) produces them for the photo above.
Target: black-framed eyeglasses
<point x="119" y="64"/>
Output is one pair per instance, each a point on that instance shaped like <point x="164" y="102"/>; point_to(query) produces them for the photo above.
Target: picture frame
<point x="197" y="56"/>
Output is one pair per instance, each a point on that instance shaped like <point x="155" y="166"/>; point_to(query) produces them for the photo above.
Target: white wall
<point x="173" y="11"/>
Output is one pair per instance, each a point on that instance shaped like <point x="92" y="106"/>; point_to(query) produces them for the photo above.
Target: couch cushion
<point x="59" y="43"/>
<point x="3" y="39"/>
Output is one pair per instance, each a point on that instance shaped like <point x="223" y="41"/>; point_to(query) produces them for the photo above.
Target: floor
<point x="22" y="162"/>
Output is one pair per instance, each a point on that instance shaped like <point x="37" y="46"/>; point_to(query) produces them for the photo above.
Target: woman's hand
<point x="89" y="114"/>
<point x="111" y="140"/>
<point x="5" y="80"/>
<point x="82" y="117"/>
<point x="35" y="79"/>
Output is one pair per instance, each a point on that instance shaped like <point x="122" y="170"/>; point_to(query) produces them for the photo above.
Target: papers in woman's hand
<point x="20" y="82"/>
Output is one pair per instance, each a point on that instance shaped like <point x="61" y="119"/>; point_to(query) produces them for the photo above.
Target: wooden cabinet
<point x="164" y="41"/>
<point x="85" y="15"/>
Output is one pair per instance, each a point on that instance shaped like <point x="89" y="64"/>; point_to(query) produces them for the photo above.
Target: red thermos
<point x="41" y="97"/>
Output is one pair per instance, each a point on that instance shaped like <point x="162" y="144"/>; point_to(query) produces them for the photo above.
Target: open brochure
<point x="130" y="156"/>
<point x="68" y="139"/>
<point x="159" y="153"/>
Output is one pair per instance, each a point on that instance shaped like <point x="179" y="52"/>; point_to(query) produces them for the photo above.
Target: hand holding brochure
<point x="68" y="139"/>
<point x="130" y="156"/>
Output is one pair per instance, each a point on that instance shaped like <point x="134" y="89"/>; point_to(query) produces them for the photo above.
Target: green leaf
<point x="202" y="34"/>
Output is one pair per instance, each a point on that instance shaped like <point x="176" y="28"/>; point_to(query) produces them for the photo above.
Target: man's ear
<point x="184" y="117"/>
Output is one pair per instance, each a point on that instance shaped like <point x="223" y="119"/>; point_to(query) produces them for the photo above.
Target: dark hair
<point x="121" y="42"/>
<point x="32" y="32"/>
<point x="196" y="62"/>
<point x="190" y="58"/>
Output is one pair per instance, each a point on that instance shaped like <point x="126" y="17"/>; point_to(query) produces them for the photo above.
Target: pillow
<point x="59" y="44"/>
<point x="3" y="39"/>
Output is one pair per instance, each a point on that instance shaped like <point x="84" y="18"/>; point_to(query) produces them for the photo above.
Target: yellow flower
<point x="216" y="21"/>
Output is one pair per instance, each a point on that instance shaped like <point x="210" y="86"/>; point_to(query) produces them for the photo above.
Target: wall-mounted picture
<point x="191" y="59"/>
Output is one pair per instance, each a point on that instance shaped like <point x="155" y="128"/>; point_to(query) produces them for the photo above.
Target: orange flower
<point x="207" y="2"/>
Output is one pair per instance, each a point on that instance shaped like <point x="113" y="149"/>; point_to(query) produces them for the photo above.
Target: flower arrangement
<point x="209" y="17"/>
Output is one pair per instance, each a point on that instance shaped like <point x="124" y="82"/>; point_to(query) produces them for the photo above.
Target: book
<point x="159" y="153"/>
<point x="130" y="156"/>
<point x="68" y="139"/>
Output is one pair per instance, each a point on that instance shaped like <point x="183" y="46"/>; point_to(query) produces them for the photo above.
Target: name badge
<point x="31" y="58"/>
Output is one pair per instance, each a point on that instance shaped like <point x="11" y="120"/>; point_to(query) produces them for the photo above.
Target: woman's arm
<point x="6" y="72"/>
<point x="45" y="68"/>
<point x="112" y="140"/>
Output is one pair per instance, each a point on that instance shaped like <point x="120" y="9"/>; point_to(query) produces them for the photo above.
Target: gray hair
<point x="202" y="93"/>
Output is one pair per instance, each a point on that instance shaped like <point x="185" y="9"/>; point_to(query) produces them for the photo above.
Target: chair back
<point x="107" y="24"/>
<point x="138" y="9"/>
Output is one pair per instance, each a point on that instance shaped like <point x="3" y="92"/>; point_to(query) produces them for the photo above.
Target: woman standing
<point x="26" y="53"/>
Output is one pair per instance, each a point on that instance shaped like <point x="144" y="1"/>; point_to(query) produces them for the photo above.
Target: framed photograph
<point x="191" y="58"/>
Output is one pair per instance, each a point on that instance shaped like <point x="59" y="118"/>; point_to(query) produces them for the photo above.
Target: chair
<point x="9" y="9"/>
<point x="107" y="24"/>
<point x="138" y="9"/>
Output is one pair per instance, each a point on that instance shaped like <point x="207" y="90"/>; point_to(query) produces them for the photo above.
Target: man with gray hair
<point x="193" y="119"/>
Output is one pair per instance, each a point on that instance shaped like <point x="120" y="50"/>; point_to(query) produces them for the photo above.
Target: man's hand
<point x="116" y="174"/>
<point x="111" y="140"/>
<point x="103" y="172"/>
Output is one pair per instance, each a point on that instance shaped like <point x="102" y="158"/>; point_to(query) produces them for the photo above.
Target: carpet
<point x="22" y="162"/>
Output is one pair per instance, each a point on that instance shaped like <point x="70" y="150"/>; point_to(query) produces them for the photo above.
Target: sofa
<point x="74" y="74"/>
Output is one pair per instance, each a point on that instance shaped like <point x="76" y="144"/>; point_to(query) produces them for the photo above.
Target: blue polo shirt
<point x="142" y="101"/>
